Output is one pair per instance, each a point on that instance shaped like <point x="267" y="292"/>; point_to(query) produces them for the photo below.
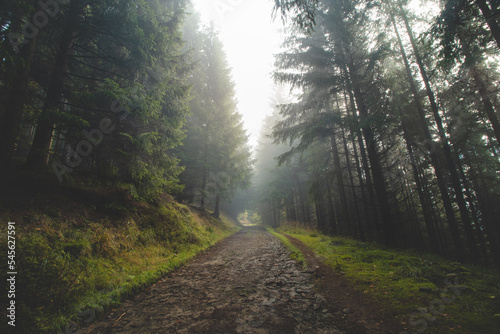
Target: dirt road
<point x="245" y="284"/>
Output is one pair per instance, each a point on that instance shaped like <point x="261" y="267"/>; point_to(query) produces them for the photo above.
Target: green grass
<point x="295" y="253"/>
<point x="69" y="270"/>
<point x="427" y="293"/>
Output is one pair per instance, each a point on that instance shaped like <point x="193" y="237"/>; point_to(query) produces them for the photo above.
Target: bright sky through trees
<point x="250" y="38"/>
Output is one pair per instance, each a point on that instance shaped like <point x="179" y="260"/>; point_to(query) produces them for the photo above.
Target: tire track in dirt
<point x="356" y="313"/>
<point x="245" y="284"/>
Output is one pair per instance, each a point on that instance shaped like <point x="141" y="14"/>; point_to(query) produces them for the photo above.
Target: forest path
<point x="245" y="284"/>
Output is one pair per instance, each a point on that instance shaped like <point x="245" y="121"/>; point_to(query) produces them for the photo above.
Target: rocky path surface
<point x="245" y="284"/>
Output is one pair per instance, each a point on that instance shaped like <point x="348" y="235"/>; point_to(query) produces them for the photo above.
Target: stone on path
<point x="245" y="284"/>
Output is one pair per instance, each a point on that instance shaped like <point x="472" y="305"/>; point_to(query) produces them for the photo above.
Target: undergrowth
<point x="70" y="272"/>
<point x="427" y="293"/>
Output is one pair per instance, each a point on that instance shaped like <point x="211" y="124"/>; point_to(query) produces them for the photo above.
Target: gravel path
<point x="245" y="284"/>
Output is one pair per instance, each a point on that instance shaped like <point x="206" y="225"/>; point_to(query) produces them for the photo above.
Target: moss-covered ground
<point x="427" y="293"/>
<point x="72" y="267"/>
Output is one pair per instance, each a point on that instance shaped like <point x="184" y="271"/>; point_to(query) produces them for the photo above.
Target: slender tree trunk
<point x="203" y="186"/>
<point x="452" y="222"/>
<point x="334" y="222"/>
<point x="423" y="197"/>
<point x="433" y="240"/>
<point x="373" y="215"/>
<point x="482" y="87"/>
<point x="301" y="199"/>
<point x="379" y="182"/>
<point x="344" y="215"/>
<point x="290" y="206"/>
<point x="319" y="214"/>
<point x="486" y="206"/>
<point x="435" y="211"/>
<point x="488" y="105"/>
<point x="360" y="233"/>
<point x="455" y="180"/>
<point x="217" y="206"/>
<point x="366" y="204"/>
<point x="275" y="214"/>
<point x="412" y="216"/>
<point x="479" y="231"/>
<point x="490" y="18"/>
<point x="12" y="116"/>
<point x="39" y="153"/>
<point x="287" y="208"/>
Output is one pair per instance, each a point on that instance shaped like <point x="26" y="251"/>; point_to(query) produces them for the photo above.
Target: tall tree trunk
<point x="488" y="105"/>
<point x="435" y="211"/>
<point x="360" y="233"/>
<point x="275" y="214"/>
<point x="320" y="207"/>
<point x="370" y="218"/>
<point x="334" y="221"/>
<point x="374" y="216"/>
<point x="423" y="197"/>
<point x="203" y="186"/>
<point x="12" y="116"/>
<point x="344" y="214"/>
<point x="454" y="228"/>
<point x="412" y="216"/>
<point x="483" y="87"/>
<point x="300" y="195"/>
<point x="455" y="180"/>
<point x="490" y="18"/>
<point x="217" y="206"/>
<point x="486" y="206"/>
<point x="445" y="197"/>
<point x="479" y="230"/>
<point x="39" y="153"/>
<point x="379" y="182"/>
<point x="290" y="207"/>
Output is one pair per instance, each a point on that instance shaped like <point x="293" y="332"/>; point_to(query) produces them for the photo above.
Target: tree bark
<point x="455" y="180"/>
<point x="369" y="217"/>
<point x="334" y="224"/>
<point x="344" y="214"/>
<point x="217" y="206"/>
<point x="39" y="153"/>
<point x="488" y="105"/>
<point x="489" y="16"/>
<point x="302" y="205"/>
<point x="445" y="197"/>
<point x="373" y="214"/>
<point x="11" y="120"/>
<point x="360" y="233"/>
<point x="379" y="182"/>
<point x="11" y="114"/>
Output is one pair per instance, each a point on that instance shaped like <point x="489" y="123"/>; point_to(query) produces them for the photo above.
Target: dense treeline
<point x="395" y="134"/>
<point x="87" y="85"/>
<point x="101" y="91"/>
<point x="215" y="151"/>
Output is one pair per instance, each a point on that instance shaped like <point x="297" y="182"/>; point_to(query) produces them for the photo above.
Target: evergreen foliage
<point x="101" y="90"/>
<point x="215" y="153"/>
<point x="395" y="134"/>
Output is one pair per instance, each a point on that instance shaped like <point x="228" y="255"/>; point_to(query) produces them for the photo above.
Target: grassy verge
<point x="72" y="270"/>
<point x="295" y="253"/>
<point x="427" y="293"/>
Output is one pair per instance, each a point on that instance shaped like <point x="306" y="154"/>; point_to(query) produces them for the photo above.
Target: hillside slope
<point x="82" y="250"/>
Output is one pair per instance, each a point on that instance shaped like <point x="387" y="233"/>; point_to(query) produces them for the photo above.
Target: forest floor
<point x="248" y="284"/>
